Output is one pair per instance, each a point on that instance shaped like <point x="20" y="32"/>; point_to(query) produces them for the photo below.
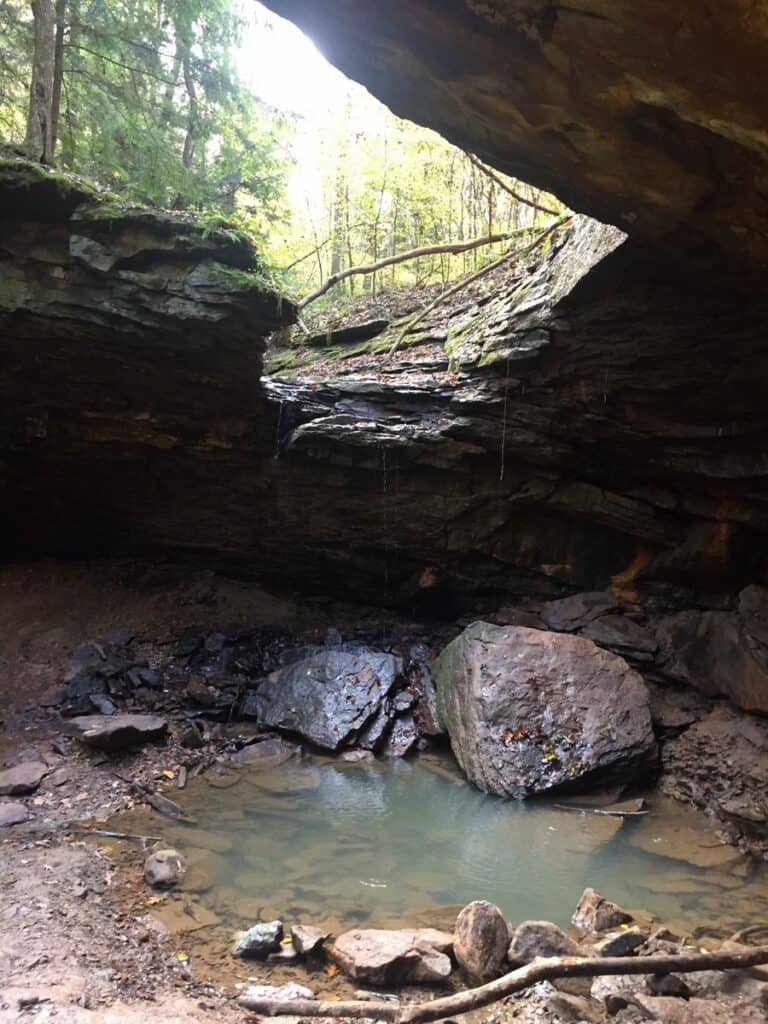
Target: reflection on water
<point x="385" y="843"/>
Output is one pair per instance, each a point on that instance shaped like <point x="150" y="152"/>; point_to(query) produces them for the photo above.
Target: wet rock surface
<point x="328" y="697"/>
<point x="529" y="711"/>
<point x="165" y="869"/>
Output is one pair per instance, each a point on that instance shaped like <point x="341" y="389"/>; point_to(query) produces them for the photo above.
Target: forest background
<point x="218" y="107"/>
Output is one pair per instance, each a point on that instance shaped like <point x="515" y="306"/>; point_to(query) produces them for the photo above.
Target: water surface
<point x="389" y="843"/>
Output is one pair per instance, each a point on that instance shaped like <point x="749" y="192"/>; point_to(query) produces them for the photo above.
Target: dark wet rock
<point x="377" y="956"/>
<point x="329" y="697"/>
<point x="307" y="939"/>
<point x="117" y="731"/>
<point x="571" y="613"/>
<point x="595" y="913"/>
<point x="103" y="705"/>
<point x="624" y="942"/>
<point x="540" y="938"/>
<point x="119" y="637"/>
<point x="529" y="711"/>
<point x="674" y="707"/>
<point x="480" y="940"/>
<point x="165" y="869"/>
<point x="190" y="737"/>
<point x="721" y="653"/>
<point x="372" y="736"/>
<point x="12" y="813"/>
<point x="693" y="770"/>
<point x="421" y="681"/>
<point x="624" y="636"/>
<point x="259" y="941"/>
<point x="668" y="985"/>
<point x="254" y="995"/>
<point x="200" y="692"/>
<point x="22" y="778"/>
<point x="84" y="692"/>
<point x="402" y="737"/>
<point x="53" y="696"/>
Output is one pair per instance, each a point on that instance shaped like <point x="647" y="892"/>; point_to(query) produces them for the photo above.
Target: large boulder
<point x="329" y="696"/>
<point x="376" y="956"/>
<point x="529" y="711"/>
<point x="540" y="938"/>
<point x="480" y="940"/>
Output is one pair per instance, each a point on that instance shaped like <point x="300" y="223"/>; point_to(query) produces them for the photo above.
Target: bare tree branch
<point x="412" y="254"/>
<point x="489" y="171"/>
<point x="507" y="985"/>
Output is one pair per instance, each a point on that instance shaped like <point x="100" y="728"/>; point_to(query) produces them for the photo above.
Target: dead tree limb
<point x="451" y="248"/>
<point x="465" y="281"/>
<point x="509" y="984"/>
<point x="489" y="171"/>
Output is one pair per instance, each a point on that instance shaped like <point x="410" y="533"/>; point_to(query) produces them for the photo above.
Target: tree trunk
<point x="58" y="72"/>
<point x="38" y="139"/>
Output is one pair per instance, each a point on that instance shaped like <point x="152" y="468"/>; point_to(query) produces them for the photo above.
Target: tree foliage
<point x="151" y="105"/>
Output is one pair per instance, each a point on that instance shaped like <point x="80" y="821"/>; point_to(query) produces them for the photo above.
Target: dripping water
<point x="277" y="431"/>
<point x="504" y="423"/>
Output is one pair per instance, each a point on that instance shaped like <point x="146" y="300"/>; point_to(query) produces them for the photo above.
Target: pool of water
<point x="389" y="843"/>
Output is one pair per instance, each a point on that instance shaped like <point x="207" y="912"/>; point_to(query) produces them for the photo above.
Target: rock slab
<point x="377" y="956"/>
<point x="529" y="711"/>
<point x="115" y="732"/>
<point x="22" y="778"/>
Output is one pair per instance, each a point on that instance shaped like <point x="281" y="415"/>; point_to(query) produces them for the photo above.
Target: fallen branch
<point x="507" y="985"/>
<point x="107" y="834"/>
<point x="464" y="282"/>
<point x="604" y="811"/>
<point x="489" y="172"/>
<point x="448" y="248"/>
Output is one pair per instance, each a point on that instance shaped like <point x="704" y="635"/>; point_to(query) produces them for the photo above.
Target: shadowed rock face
<point x="647" y="115"/>
<point x="131" y="351"/>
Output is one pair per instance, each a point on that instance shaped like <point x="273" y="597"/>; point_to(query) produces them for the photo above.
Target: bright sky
<point x="285" y="69"/>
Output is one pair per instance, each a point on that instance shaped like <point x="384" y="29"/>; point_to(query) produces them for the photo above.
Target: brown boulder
<point x="22" y="778"/>
<point x="594" y="913"/>
<point x="540" y="938"/>
<point x="480" y="940"/>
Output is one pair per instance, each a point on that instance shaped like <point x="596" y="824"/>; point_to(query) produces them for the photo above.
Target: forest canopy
<point x="151" y="99"/>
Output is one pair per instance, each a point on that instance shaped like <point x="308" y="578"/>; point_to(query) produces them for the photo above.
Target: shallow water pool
<point x="388" y="843"/>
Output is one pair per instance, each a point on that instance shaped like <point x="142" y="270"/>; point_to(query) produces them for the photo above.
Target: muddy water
<point x="377" y="844"/>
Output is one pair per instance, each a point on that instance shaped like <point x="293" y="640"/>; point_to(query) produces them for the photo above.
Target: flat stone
<point x="263" y="754"/>
<point x="13" y="814"/>
<point x="22" y="778"/>
<point x="570" y="613"/>
<point x="377" y="956"/>
<point x="254" y="996"/>
<point x="259" y="941"/>
<point x="116" y="732"/>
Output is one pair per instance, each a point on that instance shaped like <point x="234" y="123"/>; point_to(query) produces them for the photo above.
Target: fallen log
<point x="516" y="981"/>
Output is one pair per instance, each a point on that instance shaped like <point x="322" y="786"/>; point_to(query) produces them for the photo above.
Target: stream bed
<point x="401" y="842"/>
